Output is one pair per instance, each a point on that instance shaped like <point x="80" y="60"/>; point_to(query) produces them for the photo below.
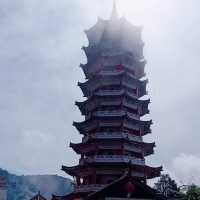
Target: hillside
<point x="25" y="187"/>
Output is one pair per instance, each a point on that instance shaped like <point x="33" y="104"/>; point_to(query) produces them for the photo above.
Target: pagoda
<point x="112" y="147"/>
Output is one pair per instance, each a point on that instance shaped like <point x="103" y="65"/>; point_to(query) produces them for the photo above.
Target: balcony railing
<point x="113" y="159"/>
<point x="113" y="135"/>
<point x="133" y="148"/>
<point x="133" y="116"/>
<point x="132" y="95"/>
<point x="130" y="105"/>
<point x="89" y="188"/>
<point x="131" y="126"/>
<point x="109" y="124"/>
<point x="110" y="103"/>
<point x="129" y="85"/>
<point x="110" y="72"/>
<point x="109" y="113"/>
<point x="109" y="92"/>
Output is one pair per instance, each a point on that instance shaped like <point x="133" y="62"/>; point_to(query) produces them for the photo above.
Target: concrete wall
<point x="3" y="194"/>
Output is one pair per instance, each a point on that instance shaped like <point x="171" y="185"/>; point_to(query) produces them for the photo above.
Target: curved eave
<point x="91" y="145"/>
<point x="149" y="149"/>
<point x="92" y="104"/>
<point x="94" y="124"/>
<point x="135" y="121"/>
<point x="136" y="69"/>
<point x="153" y="172"/>
<point x="122" y="97"/>
<point x="149" y="172"/>
<point x="81" y="126"/>
<point x="94" y="34"/>
<point x="81" y="106"/>
<point x="72" y="171"/>
<point x="121" y="76"/>
<point x="122" y="115"/>
<point x="92" y="53"/>
<point x="78" y="147"/>
<point x="87" y="92"/>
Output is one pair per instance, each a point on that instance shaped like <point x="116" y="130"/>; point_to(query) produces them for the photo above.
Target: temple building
<point x="3" y="189"/>
<point x="112" y="151"/>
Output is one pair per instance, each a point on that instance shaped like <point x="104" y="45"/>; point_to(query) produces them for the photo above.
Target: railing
<point x="111" y="72"/>
<point x="132" y="95"/>
<point x="131" y="105"/>
<point x="113" y="135"/>
<point x="109" y="113"/>
<point x="113" y="159"/>
<point x="89" y="127"/>
<point x="133" y="116"/>
<point x="133" y="148"/>
<point x="109" y="92"/>
<point x="110" y="103"/>
<point x="129" y="85"/>
<point x="109" y="124"/>
<point x="89" y="188"/>
<point x="131" y="126"/>
<point x="118" y="146"/>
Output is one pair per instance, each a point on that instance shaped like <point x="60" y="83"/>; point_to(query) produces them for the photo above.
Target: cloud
<point x="39" y="58"/>
<point x="186" y="168"/>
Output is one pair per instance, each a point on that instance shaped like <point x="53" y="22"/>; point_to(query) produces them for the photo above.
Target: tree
<point x="193" y="193"/>
<point x="167" y="186"/>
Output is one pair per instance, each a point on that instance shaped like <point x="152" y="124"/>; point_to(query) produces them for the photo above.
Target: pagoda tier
<point x="117" y="34"/>
<point x="112" y="136"/>
<point x="112" y="63"/>
<point x="112" y="129"/>
<point x="122" y="123"/>
<point x="126" y="57"/>
<point x="82" y="171"/>
<point x="114" y="82"/>
<point x="129" y="104"/>
<point x="118" y="147"/>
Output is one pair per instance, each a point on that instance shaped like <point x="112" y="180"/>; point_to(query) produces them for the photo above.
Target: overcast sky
<point x="40" y="55"/>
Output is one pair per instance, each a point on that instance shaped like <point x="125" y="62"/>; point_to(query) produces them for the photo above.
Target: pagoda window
<point x="135" y="91"/>
<point x="81" y="181"/>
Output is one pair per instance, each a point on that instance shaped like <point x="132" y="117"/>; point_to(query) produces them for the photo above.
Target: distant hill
<point x="25" y="187"/>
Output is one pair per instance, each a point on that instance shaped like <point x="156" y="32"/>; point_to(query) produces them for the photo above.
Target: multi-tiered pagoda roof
<point x="115" y="88"/>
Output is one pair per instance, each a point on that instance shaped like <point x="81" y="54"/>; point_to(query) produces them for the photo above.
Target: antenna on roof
<point x="114" y="14"/>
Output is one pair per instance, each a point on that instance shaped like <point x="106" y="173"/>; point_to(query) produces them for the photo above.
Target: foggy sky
<point x="39" y="69"/>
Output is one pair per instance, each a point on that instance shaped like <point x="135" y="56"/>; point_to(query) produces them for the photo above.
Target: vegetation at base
<point x="167" y="186"/>
<point x="193" y="193"/>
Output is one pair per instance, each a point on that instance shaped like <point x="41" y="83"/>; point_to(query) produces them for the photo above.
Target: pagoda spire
<point x="114" y="14"/>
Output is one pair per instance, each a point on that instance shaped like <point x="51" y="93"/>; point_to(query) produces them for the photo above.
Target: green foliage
<point x="167" y="186"/>
<point x="193" y="193"/>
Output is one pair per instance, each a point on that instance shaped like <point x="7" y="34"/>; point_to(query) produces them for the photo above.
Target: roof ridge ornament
<point x="114" y="14"/>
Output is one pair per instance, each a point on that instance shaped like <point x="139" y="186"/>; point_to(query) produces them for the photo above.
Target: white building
<point x="3" y="189"/>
